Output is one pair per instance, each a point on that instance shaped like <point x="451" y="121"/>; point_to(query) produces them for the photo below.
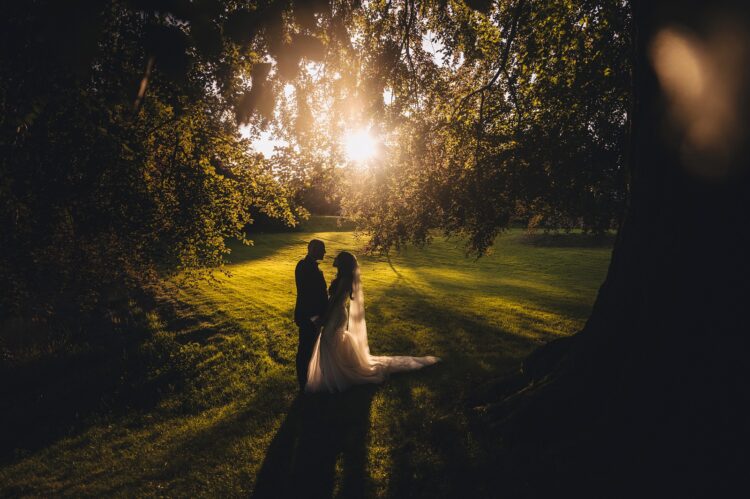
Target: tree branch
<point x="143" y="85"/>
<point x="479" y="130"/>
<point x="514" y="98"/>
<point x="503" y="58"/>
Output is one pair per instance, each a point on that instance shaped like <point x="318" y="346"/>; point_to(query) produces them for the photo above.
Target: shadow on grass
<point x="517" y="293"/>
<point x="46" y="400"/>
<point x="192" y="326"/>
<point x="263" y="247"/>
<point x="318" y="432"/>
<point x="437" y="454"/>
<point x="569" y="240"/>
<point x="130" y="369"/>
<point x="459" y="332"/>
<point x="434" y="456"/>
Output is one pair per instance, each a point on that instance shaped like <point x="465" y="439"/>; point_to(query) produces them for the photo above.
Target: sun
<point x="360" y="146"/>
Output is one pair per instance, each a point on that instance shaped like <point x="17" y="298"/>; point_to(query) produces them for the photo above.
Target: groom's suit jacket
<point x="312" y="295"/>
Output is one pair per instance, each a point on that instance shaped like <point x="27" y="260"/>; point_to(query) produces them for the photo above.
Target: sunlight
<point x="360" y="145"/>
<point x="265" y="142"/>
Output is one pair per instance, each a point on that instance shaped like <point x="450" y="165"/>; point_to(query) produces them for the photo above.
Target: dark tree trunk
<point x="652" y="392"/>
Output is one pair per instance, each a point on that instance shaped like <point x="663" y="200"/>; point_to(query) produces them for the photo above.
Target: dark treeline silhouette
<point x="118" y="166"/>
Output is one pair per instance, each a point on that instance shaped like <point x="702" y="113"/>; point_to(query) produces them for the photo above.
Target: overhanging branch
<point x="503" y="58"/>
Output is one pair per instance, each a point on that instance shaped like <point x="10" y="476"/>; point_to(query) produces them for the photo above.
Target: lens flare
<point x="360" y="146"/>
<point x="703" y="78"/>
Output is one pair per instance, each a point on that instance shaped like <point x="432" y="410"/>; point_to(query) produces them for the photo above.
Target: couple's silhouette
<point x="312" y="300"/>
<point x="333" y="352"/>
<point x="321" y="432"/>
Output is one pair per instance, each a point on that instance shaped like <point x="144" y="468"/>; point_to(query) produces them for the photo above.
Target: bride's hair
<point x="346" y="263"/>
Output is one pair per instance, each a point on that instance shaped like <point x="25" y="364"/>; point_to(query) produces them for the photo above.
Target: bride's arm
<point x="333" y="301"/>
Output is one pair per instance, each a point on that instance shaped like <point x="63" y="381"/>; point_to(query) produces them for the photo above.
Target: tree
<point x="121" y="161"/>
<point x="652" y="391"/>
<point x="521" y="115"/>
<point x="662" y="349"/>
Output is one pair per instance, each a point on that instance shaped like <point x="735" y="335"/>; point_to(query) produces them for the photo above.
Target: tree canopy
<point x="486" y="114"/>
<point x="122" y="158"/>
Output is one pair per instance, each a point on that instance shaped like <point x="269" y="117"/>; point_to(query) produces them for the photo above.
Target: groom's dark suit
<point x="312" y="299"/>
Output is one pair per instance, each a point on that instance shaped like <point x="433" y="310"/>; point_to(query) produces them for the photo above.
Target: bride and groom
<point x="333" y="352"/>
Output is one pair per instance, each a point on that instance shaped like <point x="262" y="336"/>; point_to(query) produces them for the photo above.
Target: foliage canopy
<point x="122" y="158"/>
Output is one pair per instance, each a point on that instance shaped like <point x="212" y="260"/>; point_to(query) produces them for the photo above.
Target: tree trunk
<point x="651" y="393"/>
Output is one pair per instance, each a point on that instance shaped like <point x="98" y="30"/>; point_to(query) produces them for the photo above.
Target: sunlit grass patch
<point x="226" y="426"/>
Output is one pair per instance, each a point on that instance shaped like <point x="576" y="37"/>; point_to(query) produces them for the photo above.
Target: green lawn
<point x="223" y="416"/>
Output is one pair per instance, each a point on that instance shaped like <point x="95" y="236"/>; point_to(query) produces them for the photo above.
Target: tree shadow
<point x="434" y="456"/>
<point x="124" y="370"/>
<point x="320" y="433"/>
<point x="264" y="247"/>
<point x="570" y="240"/>
<point x="190" y="325"/>
<point x="461" y="331"/>
<point x="51" y="398"/>
<point x="445" y="454"/>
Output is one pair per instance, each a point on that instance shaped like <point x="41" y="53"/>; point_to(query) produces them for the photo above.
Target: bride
<point x="341" y="356"/>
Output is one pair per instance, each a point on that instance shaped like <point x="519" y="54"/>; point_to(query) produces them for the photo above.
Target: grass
<point x="222" y="417"/>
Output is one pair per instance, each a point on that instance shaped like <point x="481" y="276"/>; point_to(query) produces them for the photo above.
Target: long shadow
<point x="265" y="246"/>
<point x="570" y="240"/>
<point x="445" y="455"/>
<point x="318" y="432"/>
<point x="535" y="299"/>
<point x="45" y="400"/>
<point x="50" y="398"/>
<point x="433" y="457"/>
<point x="192" y="325"/>
<point x="432" y="315"/>
<point x="516" y="291"/>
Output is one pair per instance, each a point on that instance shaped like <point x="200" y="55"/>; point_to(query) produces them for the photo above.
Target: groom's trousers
<point x="308" y="333"/>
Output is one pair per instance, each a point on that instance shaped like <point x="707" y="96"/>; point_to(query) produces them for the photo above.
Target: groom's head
<point x="316" y="249"/>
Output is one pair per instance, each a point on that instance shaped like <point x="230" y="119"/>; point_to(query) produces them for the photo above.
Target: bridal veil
<point x="341" y="356"/>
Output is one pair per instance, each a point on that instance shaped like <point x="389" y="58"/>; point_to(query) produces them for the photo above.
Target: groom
<point x="312" y="298"/>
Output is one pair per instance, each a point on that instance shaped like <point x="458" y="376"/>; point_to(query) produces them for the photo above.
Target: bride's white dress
<point x="341" y="356"/>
